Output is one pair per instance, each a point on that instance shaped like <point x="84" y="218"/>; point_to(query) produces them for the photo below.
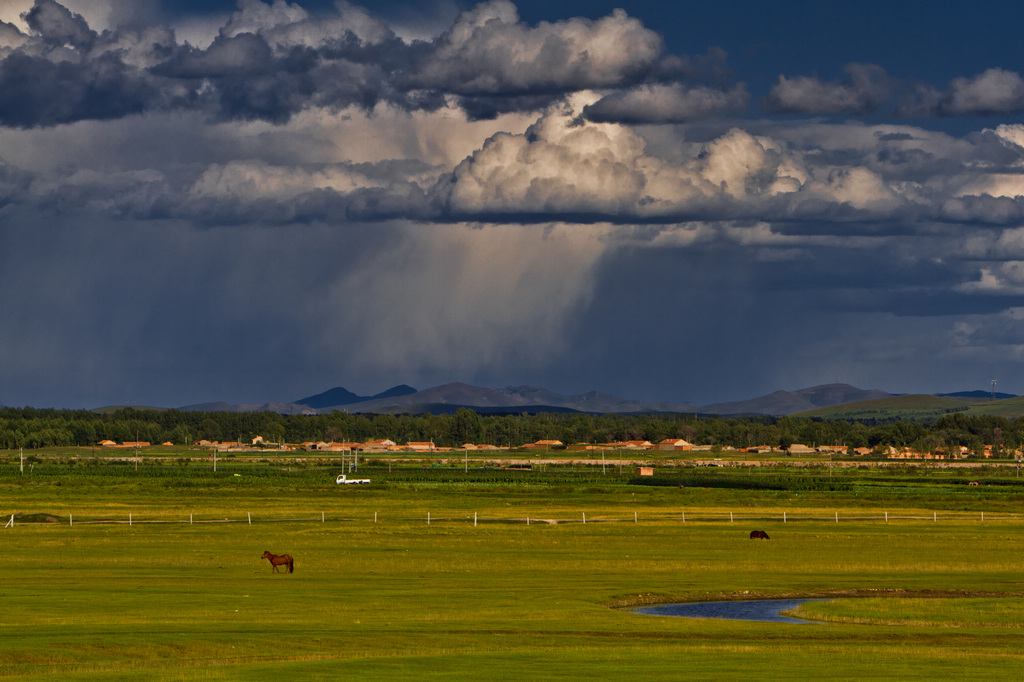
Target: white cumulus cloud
<point x="489" y="51"/>
<point x="865" y="89"/>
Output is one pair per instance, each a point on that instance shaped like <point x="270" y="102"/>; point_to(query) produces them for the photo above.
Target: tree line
<point x="38" y="428"/>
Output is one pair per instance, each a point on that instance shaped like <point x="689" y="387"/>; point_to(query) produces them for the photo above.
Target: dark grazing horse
<point x="279" y="560"/>
<point x="759" y="535"/>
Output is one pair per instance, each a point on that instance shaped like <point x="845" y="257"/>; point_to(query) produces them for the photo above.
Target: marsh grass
<point x="945" y="612"/>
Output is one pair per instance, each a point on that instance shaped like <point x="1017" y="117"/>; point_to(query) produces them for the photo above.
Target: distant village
<point x="382" y="445"/>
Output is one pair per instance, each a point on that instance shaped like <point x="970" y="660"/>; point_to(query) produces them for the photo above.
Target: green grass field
<point x="501" y="600"/>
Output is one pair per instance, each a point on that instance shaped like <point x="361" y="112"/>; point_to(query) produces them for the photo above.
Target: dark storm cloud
<point x="876" y="312"/>
<point x="270" y="62"/>
<point x="239" y="56"/>
<point x="984" y="209"/>
<point x="214" y="198"/>
<point x="39" y="92"/>
<point x="269" y="65"/>
<point x="57" y="26"/>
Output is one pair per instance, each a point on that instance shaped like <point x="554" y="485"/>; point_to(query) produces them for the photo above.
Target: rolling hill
<point x="919" y="408"/>
<point x="790" y="402"/>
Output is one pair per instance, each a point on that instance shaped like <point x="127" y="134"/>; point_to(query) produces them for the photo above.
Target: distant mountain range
<point x="340" y="396"/>
<point x="448" y="398"/>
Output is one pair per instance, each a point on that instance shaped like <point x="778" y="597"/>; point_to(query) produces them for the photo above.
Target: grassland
<point x="401" y="599"/>
<point x="916" y="408"/>
<point x="905" y="407"/>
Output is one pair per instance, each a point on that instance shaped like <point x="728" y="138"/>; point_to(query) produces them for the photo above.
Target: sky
<point x="684" y="202"/>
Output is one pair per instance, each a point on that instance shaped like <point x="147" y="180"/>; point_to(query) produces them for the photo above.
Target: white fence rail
<point x="552" y="518"/>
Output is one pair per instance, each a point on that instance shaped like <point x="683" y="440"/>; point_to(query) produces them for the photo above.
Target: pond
<point x="764" y="610"/>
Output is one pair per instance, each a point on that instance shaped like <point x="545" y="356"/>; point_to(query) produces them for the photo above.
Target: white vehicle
<point x="342" y="478"/>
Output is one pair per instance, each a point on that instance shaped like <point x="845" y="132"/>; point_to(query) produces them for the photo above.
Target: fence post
<point x="784" y="517"/>
<point x="887" y="517"/>
<point x="684" y="517"/>
<point x="634" y="517"/>
<point x="584" y="518"/>
<point x="837" y="517"/>
<point x="129" y="519"/>
<point x="375" y="517"/>
<point x="428" y="518"/>
<point x="730" y="517"/>
<point x="935" y="516"/>
<point x="322" y="520"/>
<point x="71" y="520"/>
<point x="10" y="524"/>
<point x="983" y="516"/>
<point x="474" y="519"/>
<point x="249" y="514"/>
<point x="190" y="519"/>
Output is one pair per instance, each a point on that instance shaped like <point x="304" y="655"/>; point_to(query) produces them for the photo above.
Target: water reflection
<point x="764" y="610"/>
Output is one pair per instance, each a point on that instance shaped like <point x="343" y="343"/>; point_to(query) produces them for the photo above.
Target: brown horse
<point x="279" y="560"/>
<point x="759" y="535"/>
